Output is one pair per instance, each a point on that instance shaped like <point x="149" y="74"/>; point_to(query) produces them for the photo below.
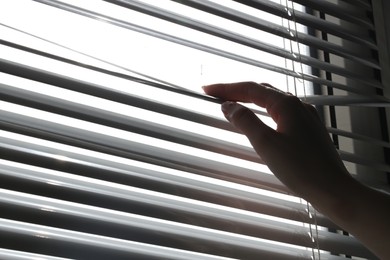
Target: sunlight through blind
<point x="109" y="148"/>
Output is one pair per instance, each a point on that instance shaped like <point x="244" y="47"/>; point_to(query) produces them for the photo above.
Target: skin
<point x="301" y="154"/>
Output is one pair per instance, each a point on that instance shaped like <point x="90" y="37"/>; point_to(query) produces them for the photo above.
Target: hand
<point x="300" y="152"/>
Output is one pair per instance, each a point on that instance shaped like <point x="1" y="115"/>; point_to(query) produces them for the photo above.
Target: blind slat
<point x="10" y="147"/>
<point x="175" y="89"/>
<point x="99" y="91"/>
<point x="128" y="123"/>
<point x="345" y="245"/>
<point x="117" y="139"/>
<point x="351" y="157"/>
<point x="239" y="58"/>
<point x="305" y="19"/>
<point x="112" y="179"/>
<point x="94" y="242"/>
<point x="131" y="143"/>
<point x="361" y="3"/>
<point x="125" y="71"/>
<point x="339" y="10"/>
<point x="265" y="203"/>
<point x="20" y="255"/>
<point x="261" y="24"/>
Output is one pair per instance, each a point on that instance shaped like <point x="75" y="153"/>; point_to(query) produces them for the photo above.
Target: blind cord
<point x="313" y="232"/>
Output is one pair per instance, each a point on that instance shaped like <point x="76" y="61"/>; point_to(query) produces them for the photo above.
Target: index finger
<point x="263" y="94"/>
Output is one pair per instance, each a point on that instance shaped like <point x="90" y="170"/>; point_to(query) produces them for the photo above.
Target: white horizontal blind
<point x="109" y="149"/>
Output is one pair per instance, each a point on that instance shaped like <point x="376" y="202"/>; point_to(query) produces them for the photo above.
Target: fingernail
<point x="228" y="108"/>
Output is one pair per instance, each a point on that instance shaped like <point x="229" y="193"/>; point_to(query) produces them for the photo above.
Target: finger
<point x="259" y="134"/>
<point x="263" y="95"/>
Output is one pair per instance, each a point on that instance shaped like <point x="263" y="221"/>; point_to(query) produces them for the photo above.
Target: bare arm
<point x="301" y="154"/>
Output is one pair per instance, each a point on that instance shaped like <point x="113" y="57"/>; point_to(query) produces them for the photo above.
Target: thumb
<point x="259" y="134"/>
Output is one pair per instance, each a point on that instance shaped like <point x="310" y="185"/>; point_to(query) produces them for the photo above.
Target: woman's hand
<point x="300" y="152"/>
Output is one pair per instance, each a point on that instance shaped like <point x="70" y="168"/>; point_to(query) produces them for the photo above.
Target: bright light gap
<point x="90" y="77"/>
<point x="177" y="64"/>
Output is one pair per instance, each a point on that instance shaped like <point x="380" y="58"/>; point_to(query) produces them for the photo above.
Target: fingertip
<point x="213" y="89"/>
<point x="229" y="108"/>
<point x="205" y="88"/>
<point x="244" y="120"/>
<point x="237" y="114"/>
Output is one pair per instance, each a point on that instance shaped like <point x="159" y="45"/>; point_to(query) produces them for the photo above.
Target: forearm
<point x="360" y="210"/>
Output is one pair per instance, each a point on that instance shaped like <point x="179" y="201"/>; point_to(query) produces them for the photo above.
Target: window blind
<point x="109" y="149"/>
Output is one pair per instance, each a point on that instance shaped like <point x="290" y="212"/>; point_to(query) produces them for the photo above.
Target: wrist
<point x="337" y="199"/>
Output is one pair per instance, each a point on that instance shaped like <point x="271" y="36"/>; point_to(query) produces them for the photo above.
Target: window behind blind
<point x="109" y="149"/>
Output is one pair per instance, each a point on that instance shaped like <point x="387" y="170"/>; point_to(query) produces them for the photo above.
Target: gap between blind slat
<point x="300" y="17"/>
<point x="44" y="40"/>
<point x="47" y="77"/>
<point x="317" y="100"/>
<point x="157" y="85"/>
<point x="175" y="89"/>
<point x="241" y="39"/>
<point x="340" y="10"/>
<point x="274" y="231"/>
<point x="201" y="47"/>
<point x="99" y="91"/>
